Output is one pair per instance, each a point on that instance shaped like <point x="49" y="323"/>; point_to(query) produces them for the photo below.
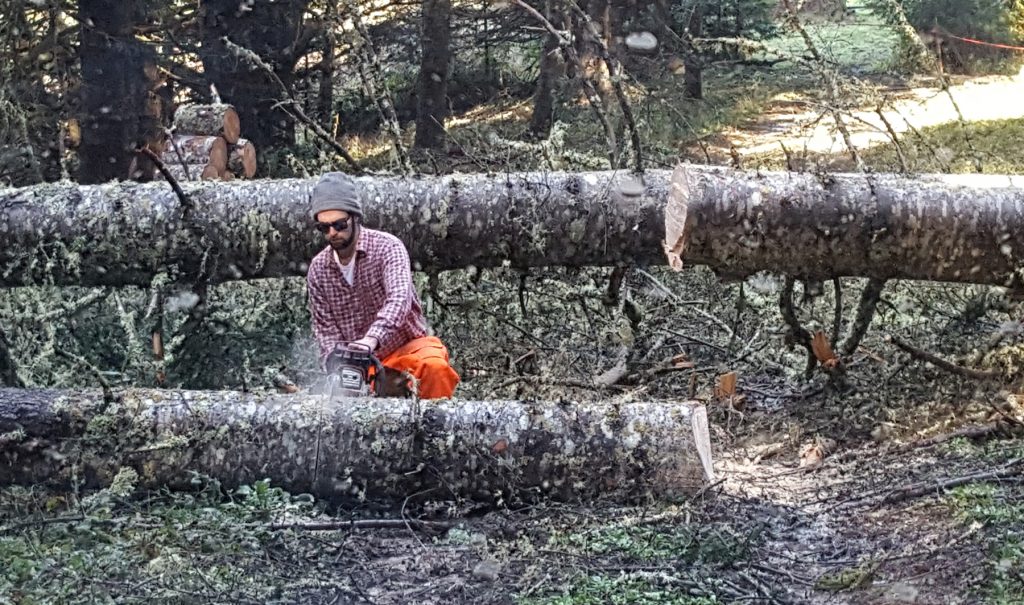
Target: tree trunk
<point x="118" y="75"/>
<point x="544" y="95"/>
<point x="325" y="91"/>
<point x="959" y="228"/>
<point x="693" y="78"/>
<point x="208" y="120"/>
<point x="8" y="367"/>
<point x="272" y="30"/>
<point x="18" y="166"/>
<point x="356" y="449"/>
<point x="432" y="85"/>
<point x="593" y="66"/>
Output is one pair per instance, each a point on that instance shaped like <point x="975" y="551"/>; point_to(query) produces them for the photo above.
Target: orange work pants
<point x="426" y="358"/>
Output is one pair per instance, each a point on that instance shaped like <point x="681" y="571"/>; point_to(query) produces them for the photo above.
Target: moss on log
<point x="358" y="449"/>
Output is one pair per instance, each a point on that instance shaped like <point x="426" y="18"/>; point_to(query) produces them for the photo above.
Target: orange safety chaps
<point x="426" y="359"/>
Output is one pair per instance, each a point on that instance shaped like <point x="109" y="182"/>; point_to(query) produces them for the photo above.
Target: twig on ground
<point x="354" y="524"/>
<point x="1012" y="468"/>
<point x="968" y="432"/>
<point x="943" y="364"/>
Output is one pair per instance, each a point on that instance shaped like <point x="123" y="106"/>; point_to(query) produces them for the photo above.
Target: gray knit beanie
<point x="336" y="191"/>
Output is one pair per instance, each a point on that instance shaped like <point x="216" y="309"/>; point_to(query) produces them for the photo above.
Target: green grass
<point x="1001" y="511"/>
<point x="621" y="589"/>
<point x="945" y="148"/>
<point x="705" y="544"/>
<point x="862" y="44"/>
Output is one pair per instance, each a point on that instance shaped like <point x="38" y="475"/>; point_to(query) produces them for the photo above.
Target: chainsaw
<point x="348" y="371"/>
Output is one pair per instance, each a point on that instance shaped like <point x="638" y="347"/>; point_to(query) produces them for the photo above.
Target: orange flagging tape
<point x="992" y="44"/>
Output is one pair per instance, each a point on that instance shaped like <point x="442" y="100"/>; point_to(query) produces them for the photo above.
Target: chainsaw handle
<point x="378" y="375"/>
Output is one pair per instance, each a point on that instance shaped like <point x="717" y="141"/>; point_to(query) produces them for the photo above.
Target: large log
<point x="209" y="120"/>
<point x="961" y="228"/>
<point x="351" y="449"/>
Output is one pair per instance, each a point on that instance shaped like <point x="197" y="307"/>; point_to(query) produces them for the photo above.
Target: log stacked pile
<point x="207" y="145"/>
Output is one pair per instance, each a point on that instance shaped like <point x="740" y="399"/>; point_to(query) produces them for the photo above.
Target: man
<point x="361" y="292"/>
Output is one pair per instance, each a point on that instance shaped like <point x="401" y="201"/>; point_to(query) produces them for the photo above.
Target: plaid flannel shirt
<point x="381" y="302"/>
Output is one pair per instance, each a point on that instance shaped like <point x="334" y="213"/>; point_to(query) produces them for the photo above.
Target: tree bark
<point x="594" y="68"/>
<point x="544" y="95"/>
<point x="693" y="78"/>
<point x="356" y="449"/>
<point x="118" y="111"/>
<point x="432" y="86"/>
<point x="959" y="228"/>
<point x="272" y="30"/>
<point x="219" y="120"/>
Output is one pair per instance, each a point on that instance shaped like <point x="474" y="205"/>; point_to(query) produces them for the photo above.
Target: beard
<point x="344" y="246"/>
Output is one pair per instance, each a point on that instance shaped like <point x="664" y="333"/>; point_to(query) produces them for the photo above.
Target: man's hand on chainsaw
<point x="334" y="358"/>
<point x="367" y="341"/>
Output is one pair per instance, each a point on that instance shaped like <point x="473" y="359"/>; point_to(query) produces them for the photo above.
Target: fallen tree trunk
<point x="964" y="228"/>
<point x="355" y="449"/>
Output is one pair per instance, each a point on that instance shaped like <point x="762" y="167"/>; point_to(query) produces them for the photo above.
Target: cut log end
<point x="242" y="161"/>
<point x="676" y="213"/>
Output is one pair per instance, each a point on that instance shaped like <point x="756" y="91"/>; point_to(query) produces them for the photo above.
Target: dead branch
<point x="289" y="104"/>
<point x="186" y="202"/>
<point x="831" y="81"/>
<point x="943" y="364"/>
<point x="837" y="315"/>
<point x="797" y="333"/>
<point x="865" y="313"/>
<point x="588" y="86"/>
<point x="1012" y="468"/>
<point x="8" y="367"/>
<point x="897" y="145"/>
<point x="433" y="527"/>
<point x="979" y="431"/>
<point x="615" y="73"/>
<point x="367" y="57"/>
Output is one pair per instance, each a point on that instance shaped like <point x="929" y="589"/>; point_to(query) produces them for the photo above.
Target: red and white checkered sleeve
<point x="399" y="295"/>
<point x="325" y="330"/>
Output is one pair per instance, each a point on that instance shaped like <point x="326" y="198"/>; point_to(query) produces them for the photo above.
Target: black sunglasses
<point x="339" y="226"/>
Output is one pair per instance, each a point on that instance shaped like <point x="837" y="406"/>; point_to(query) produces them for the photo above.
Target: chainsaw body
<point x="349" y="367"/>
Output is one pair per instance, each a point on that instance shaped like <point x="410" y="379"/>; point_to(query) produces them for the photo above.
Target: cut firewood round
<point x="200" y="150"/>
<point x="178" y="171"/>
<point x="242" y="160"/>
<point x="209" y="120"/>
